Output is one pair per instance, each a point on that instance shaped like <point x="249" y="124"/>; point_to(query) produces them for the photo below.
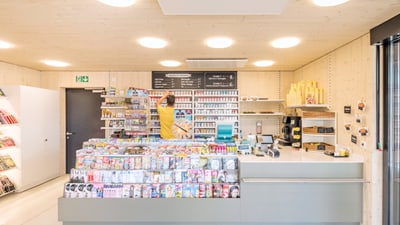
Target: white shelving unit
<point x="205" y="106"/>
<point x="36" y="135"/>
<point x="267" y="111"/>
<point x="321" y="106"/>
<point x="211" y="106"/>
<point x="323" y="130"/>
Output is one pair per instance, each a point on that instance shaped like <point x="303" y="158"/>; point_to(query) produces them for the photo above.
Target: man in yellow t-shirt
<point x="166" y="115"/>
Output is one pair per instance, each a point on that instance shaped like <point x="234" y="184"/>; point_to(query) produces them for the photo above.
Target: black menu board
<point x="220" y="80"/>
<point x="194" y="80"/>
<point x="177" y="80"/>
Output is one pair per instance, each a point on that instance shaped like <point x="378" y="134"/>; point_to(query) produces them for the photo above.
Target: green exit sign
<point x="81" y="79"/>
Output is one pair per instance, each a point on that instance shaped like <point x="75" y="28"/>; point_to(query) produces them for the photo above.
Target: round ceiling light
<point x="55" y="63"/>
<point x="286" y="42"/>
<point x="151" y="42"/>
<point x="170" y="63"/>
<point x="264" y="63"/>
<point x="327" y="3"/>
<point x="118" y="3"/>
<point x="5" y="45"/>
<point x="219" y="42"/>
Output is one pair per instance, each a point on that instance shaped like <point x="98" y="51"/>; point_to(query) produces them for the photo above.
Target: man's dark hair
<point x="170" y="100"/>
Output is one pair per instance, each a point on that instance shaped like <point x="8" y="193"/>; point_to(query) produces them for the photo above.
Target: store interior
<point x="334" y="60"/>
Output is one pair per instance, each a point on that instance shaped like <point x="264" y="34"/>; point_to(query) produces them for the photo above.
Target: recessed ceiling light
<point x="286" y="42"/>
<point x="151" y="42"/>
<point x="55" y="63"/>
<point x="326" y="3"/>
<point x="118" y="3"/>
<point x="170" y="63"/>
<point x="219" y="42"/>
<point x="4" y="44"/>
<point x="264" y="63"/>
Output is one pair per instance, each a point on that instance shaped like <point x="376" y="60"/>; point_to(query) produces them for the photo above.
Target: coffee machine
<point x="291" y="131"/>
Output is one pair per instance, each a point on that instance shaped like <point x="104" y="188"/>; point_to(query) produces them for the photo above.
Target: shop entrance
<point x="83" y="115"/>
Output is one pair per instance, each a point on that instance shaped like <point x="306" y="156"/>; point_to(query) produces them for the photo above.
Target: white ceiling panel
<point x="222" y="7"/>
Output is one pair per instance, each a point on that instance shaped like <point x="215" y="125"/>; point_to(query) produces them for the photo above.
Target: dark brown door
<point x="83" y="122"/>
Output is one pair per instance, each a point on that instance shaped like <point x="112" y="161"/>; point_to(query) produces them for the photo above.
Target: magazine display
<point x="156" y="170"/>
<point x="6" y="186"/>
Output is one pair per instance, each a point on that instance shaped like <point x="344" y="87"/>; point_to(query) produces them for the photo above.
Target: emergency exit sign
<point x="82" y="79"/>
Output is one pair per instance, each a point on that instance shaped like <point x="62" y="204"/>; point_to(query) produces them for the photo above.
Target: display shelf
<point x="116" y="118"/>
<point x="130" y="113"/>
<point x="173" y="169"/>
<point x="309" y="106"/>
<point x="31" y="148"/>
<point x="266" y="112"/>
<point x="213" y="106"/>
<point x="262" y="101"/>
<point x="314" y="128"/>
<point x="262" y="114"/>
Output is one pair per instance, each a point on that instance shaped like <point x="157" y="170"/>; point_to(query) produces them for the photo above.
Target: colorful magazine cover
<point x="137" y="191"/>
<point x="202" y="190"/>
<point x="171" y="162"/>
<point x="178" y="190"/>
<point x="170" y="190"/>
<point x="225" y="190"/>
<point x="155" y="191"/>
<point x="222" y="175"/>
<point x="195" y="190"/>
<point x="148" y="177"/>
<point x="234" y="191"/>
<point x="230" y="163"/>
<point x="138" y="162"/>
<point x="232" y="176"/>
<point x="203" y="163"/>
<point x="209" y="190"/>
<point x="146" y="190"/>
<point x="162" y="191"/>
<point x="180" y="176"/>
<point x="137" y="176"/>
<point x="215" y="163"/>
<point x="214" y="176"/>
<point x="146" y="162"/>
<point x="207" y="176"/>
<point x="127" y="191"/>
<point x="187" y="191"/>
<point x="217" y="190"/>
<point x="81" y="190"/>
<point x="195" y="176"/>
<point x="194" y="161"/>
<point x="97" y="191"/>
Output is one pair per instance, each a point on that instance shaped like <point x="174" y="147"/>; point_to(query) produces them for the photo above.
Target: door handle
<point x="69" y="133"/>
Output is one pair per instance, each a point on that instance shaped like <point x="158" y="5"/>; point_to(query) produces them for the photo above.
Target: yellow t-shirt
<point x="166" y="121"/>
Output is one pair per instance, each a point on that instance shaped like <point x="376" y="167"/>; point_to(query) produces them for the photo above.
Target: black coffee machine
<point x="291" y="131"/>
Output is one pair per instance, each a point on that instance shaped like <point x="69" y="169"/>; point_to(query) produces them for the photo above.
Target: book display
<point x="125" y="113"/>
<point x="29" y="135"/>
<point x="7" y="125"/>
<point x="173" y="169"/>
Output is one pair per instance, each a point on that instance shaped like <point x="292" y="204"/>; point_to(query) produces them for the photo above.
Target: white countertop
<point x="298" y="156"/>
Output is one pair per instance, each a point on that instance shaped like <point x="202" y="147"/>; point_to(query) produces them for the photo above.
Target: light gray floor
<point x="36" y="206"/>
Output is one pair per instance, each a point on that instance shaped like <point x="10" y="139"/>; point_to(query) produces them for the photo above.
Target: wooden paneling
<point x="17" y="75"/>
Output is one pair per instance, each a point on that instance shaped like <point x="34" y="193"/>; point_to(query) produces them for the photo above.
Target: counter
<point x="297" y="188"/>
<point x="301" y="187"/>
